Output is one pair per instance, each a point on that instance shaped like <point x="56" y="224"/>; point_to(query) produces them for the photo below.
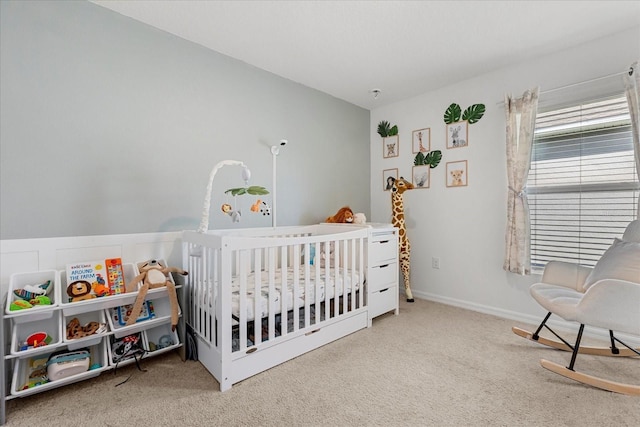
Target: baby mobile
<point x="259" y="206"/>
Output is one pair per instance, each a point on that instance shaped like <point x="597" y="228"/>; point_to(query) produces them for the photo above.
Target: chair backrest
<point x="632" y="233"/>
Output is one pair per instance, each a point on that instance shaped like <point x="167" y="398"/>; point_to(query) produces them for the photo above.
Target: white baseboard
<point x="556" y="323"/>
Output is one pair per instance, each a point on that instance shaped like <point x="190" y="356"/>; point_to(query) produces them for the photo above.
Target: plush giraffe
<point x="398" y="187"/>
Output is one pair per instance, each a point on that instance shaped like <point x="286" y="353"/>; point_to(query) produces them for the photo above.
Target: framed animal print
<point x="457" y="174"/>
<point x="421" y="140"/>
<point x="457" y="134"/>
<point x="420" y="176"/>
<point x="388" y="175"/>
<point x="390" y="146"/>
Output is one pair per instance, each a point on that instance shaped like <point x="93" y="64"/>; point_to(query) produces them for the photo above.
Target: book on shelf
<point x="91" y="279"/>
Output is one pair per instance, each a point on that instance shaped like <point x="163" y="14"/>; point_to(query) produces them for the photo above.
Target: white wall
<point x="465" y="226"/>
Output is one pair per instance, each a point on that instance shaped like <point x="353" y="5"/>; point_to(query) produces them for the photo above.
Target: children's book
<point x="95" y="279"/>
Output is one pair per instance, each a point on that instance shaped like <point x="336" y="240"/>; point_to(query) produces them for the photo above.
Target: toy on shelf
<point x="75" y="330"/>
<point x="31" y="295"/>
<point x="154" y="275"/>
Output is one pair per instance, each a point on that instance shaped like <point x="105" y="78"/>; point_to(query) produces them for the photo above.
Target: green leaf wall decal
<point x="384" y="128"/>
<point x="433" y="158"/>
<point x="452" y="114"/>
<point x="419" y="160"/>
<point x="473" y="113"/>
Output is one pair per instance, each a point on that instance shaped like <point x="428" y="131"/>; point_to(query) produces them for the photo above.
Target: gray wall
<point x="110" y="126"/>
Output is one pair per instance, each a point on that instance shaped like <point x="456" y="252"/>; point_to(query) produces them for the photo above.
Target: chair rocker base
<point x="595" y="351"/>
<point x="613" y="386"/>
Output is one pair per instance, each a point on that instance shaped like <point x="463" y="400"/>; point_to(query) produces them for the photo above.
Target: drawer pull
<point x="312" y="332"/>
<point x="382" y="242"/>
<point x="384" y="266"/>
<point x="384" y="290"/>
<point x="251" y="350"/>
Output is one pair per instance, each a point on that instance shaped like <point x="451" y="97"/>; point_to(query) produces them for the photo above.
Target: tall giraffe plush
<point x="398" y="187"/>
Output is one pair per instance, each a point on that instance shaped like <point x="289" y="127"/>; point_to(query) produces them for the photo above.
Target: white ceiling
<point x="403" y="48"/>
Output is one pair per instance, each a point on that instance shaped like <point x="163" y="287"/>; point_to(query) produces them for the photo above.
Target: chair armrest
<point x="567" y="274"/>
<point x="611" y="304"/>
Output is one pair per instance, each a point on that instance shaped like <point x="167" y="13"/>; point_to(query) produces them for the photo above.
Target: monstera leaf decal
<point x="431" y="159"/>
<point x="474" y="113"/>
<point x="452" y="114"/>
<point x="385" y="129"/>
<point x="471" y="114"/>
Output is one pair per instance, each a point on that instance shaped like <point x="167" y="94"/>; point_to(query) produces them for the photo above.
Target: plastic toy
<point x="19" y="305"/>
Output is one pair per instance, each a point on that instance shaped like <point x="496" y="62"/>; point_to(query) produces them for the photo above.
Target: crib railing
<point x="249" y="290"/>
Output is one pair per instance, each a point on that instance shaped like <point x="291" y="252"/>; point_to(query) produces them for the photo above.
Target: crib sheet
<point x="328" y="287"/>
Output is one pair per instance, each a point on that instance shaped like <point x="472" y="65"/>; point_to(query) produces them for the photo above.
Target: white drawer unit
<point x="382" y="270"/>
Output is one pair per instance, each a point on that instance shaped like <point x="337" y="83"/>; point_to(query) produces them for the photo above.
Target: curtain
<point x="632" y="88"/>
<point x="521" y="119"/>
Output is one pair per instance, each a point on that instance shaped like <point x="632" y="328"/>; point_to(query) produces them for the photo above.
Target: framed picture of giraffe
<point x="457" y="174"/>
<point x="388" y="175"/>
<point x="390" y="146"/>
<point x="421" y="140"/>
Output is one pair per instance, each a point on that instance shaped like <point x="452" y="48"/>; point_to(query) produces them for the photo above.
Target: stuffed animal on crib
<point x="344" y="215"/>
<point x="359" y="218"/>
<point x="154" y="275"/>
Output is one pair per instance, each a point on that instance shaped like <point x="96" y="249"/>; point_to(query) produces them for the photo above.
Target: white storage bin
<point x="33" y="331"/>
<point x="35" y="279"/>
<point x="72" y="308"/>
<point x="161" y="313"/>
<point x="84" y="319"/>
<point x="25" y="366"/>
<point x="123" y="350"/>
<point x="160" y="339"/>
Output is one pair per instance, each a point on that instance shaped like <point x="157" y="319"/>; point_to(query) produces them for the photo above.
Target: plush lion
<point x="344" y="215"/>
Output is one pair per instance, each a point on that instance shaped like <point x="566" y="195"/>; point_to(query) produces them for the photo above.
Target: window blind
<point x="583" y="185"/>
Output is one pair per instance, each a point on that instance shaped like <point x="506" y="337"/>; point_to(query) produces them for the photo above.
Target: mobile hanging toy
<point x="260" y="206"/>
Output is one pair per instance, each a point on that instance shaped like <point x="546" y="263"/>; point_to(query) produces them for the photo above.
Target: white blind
<point x="583" y="184"/>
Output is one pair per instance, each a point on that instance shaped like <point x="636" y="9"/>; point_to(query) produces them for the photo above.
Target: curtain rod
<point x="583" y="82"/>
<point x="579" y="83"/>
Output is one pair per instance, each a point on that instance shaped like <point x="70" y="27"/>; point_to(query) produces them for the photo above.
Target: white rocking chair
<point x="606" y="296"/>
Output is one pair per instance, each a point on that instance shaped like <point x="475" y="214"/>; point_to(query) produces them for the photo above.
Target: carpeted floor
<point x="433" y="365"/>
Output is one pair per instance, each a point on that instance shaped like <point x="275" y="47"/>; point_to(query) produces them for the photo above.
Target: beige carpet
<point x="432" y="365"/>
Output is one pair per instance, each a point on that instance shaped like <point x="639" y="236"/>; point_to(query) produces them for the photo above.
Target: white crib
<point x="258" y="297"/>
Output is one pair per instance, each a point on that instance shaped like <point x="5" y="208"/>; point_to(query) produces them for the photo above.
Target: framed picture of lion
<point x="457" y="174"/>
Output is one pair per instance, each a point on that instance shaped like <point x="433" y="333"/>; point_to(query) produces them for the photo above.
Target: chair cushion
<point x="557" y="299"/>
<point x="621" y="261"/>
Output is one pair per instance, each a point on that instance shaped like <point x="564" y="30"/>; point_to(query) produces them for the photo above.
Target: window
<point x="583" y="185"/>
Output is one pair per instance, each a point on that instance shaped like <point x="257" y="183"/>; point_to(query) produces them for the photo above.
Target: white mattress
<point x="345" y="283"/>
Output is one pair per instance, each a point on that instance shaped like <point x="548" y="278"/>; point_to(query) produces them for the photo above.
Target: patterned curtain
<point x="632" y="88"/>
<point x="521" y="119"/>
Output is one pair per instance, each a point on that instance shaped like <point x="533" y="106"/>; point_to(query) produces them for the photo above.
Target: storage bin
<point x="24" y="367"/>
<point x="99" y="303"/>
<point x="160" y="339"/>
<point x="161" y="313"/>
<point x="124" y="350"/>
<point x="33" y="332"/>
<point x="83" y="320"/>
<point x="33" y="280"/>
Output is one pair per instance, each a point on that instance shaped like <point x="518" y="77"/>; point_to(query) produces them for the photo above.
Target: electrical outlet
<point x="435" y="262"/>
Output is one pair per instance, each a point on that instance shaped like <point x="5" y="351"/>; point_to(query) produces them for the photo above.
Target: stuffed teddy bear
<point x="344" y="215"/>
<point x="154" y="275"/>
